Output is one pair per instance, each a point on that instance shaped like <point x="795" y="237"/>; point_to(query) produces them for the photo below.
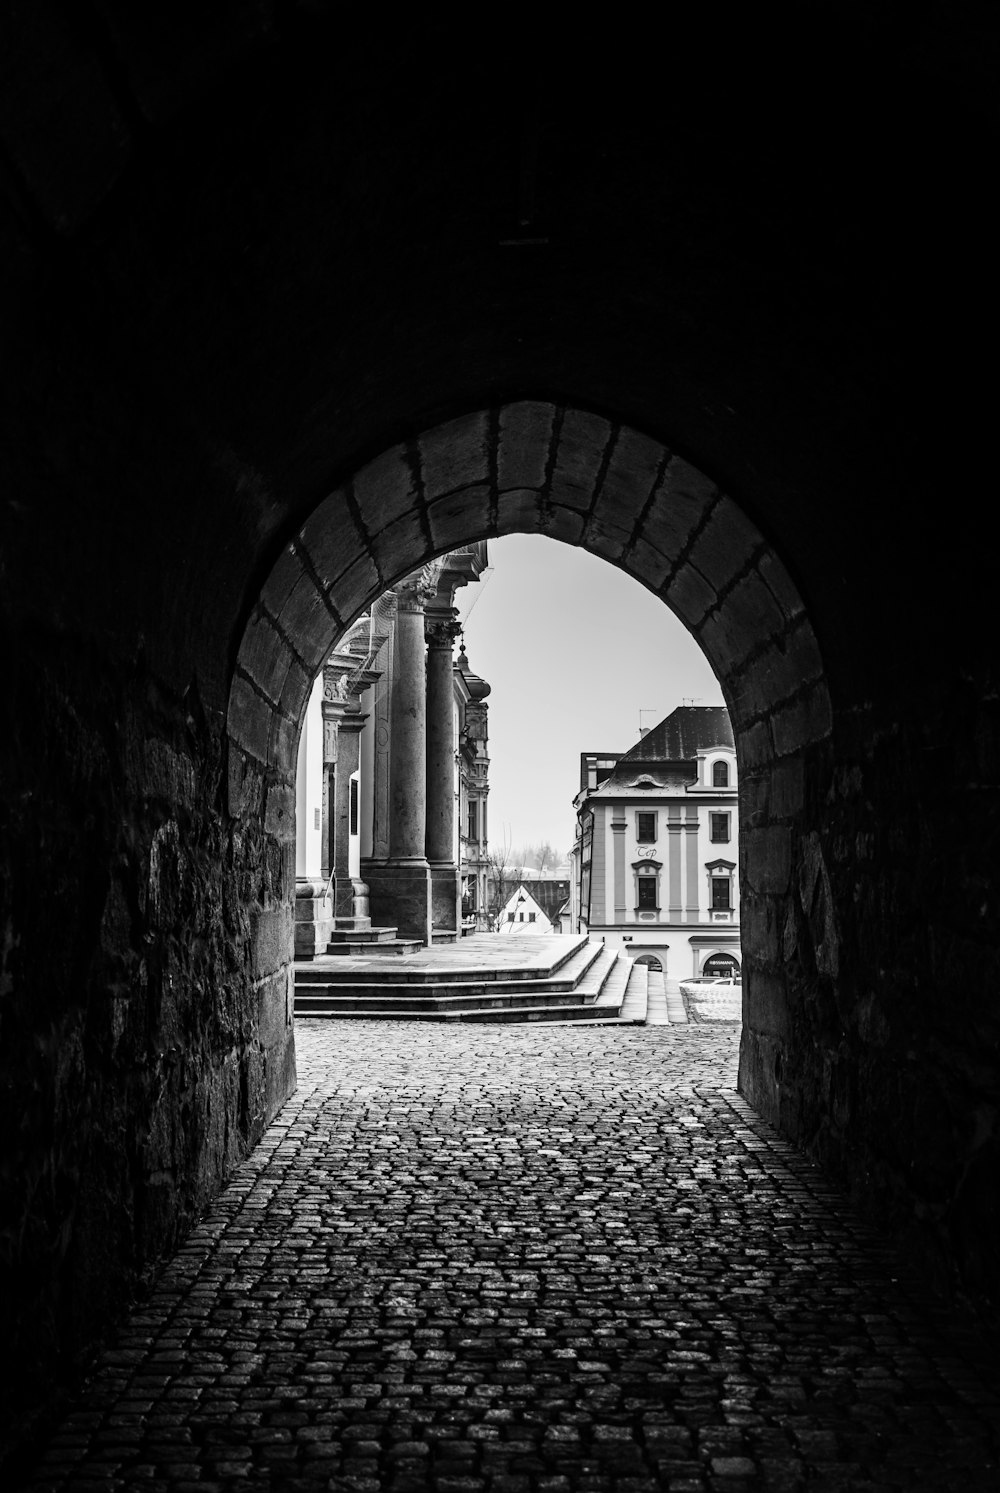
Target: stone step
<point x="622" y="1001"/>
<point x="536" y="1000"/>
<point x="340" y="936"/>
<point x="587" y="997"/>
<point x="636" y="995"/>
<point x="558" y="973"/>
<point x="381" y="948"/>
<point x="388" y="996"/>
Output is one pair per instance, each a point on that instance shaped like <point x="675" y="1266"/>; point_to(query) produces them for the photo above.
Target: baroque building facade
<point x="393" y="772"/>
<point x="655" y="863"/>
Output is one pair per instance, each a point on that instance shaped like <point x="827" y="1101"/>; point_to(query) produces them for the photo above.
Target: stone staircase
<point x="362" y="942"/>
<point x="485" y="978"/>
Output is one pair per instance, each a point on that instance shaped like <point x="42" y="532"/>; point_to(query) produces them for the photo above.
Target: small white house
<point x="533" y="908"/>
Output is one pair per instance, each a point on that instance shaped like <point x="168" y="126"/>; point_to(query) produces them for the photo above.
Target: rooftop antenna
<point x="690" y="699"/>
<point x="645" y="710"/>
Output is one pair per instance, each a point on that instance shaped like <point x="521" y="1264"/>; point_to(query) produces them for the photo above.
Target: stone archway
<point x="535" y="467"/>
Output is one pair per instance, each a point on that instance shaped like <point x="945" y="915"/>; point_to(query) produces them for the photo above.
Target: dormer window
<point x="720" y="774"/>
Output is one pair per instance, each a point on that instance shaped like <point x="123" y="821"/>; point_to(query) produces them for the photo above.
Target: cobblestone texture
<point x="526" y="1259"/>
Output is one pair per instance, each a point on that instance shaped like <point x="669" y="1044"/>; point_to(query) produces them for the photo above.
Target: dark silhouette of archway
<point x="258" y="270"/>
<point x="570" y="474"/>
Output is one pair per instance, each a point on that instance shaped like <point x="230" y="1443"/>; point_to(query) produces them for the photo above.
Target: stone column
<point x="399" y="887"/>
<point x="441" y="632"/>
<point x="408" y="759"/>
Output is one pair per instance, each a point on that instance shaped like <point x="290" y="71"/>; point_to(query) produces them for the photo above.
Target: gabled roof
<point x="549" y="895"/>
<point x="684" y="733"/>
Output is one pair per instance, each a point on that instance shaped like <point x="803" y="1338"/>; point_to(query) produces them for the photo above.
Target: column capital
<point x="414" y="593"/>
<point x="441" y="629"/>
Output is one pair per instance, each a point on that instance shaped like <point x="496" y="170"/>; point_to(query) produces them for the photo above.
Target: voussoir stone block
<point x="282" y="743"/>
<point x="756" y="749"/>
<point x="583" y="440"/>
<point x="564" y="524"/>
<point x="265" y="655"/>
<point x="295" y="690"/>
<point x="355" y="589"/>
<point x="647" y="565"/>
<point x="633" y="471"/>
<point x="690" y="595"/>
<point x="400" y="548"/>
<point x="249" y="718"/>
<point x="331" y="539"/>
<point x="751" y="608"/>
<point x="525" y="443"/>
<point x="455" y="454"/>
<point x="727" y="645"/>
<point x="385" y="489"/>
<point x="601" y="537"/>
<point x="520" y="511"/>
<point x="725" y="545"/>
<point x="307" y="623"/>
<point x="287" y="572"/>
<point x="460" y="517"/>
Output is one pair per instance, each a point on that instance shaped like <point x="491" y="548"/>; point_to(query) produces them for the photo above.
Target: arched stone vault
<point x="534" y="467"/>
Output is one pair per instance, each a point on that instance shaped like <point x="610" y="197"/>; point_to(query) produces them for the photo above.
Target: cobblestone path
<point x="516" y="1259"/>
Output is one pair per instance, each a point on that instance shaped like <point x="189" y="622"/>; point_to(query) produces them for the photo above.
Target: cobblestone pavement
<point x="515" y="1259"/>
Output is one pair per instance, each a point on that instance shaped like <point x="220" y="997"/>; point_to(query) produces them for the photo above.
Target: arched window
<point x="720" y="775"/>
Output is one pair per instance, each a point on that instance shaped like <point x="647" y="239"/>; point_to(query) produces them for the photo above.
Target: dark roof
<point x="550" y="895"/>
<point x="684" y="733"/>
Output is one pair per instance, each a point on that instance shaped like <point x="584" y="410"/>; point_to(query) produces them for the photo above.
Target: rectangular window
<point x="531" y="917"/>
<point x="510" y="917"/>
<point x="720" y="893"/>
<point x="645" y="828"/>
<point x="354" y="806"/>
<point x="719" y="828"/>
<point x="473" y="818"/>
<point x="647" y="892"/>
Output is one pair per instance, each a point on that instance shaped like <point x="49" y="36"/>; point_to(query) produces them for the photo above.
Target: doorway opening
<point x="624" y="495"/>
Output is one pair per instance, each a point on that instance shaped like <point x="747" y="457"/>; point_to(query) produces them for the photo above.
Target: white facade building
<point x="656" y="858"/>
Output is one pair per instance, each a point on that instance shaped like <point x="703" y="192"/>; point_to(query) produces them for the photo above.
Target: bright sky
<point x="574" y="650"/>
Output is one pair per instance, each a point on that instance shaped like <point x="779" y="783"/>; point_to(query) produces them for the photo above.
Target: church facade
<point x="656" y="854"/>
<point x="393" y="772"/>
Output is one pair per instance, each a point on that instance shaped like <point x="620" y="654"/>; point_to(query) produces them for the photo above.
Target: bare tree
<point x="502" y="876"/>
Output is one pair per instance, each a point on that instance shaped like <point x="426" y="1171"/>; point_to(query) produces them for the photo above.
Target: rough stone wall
<point x="146" y="996"/>
<point x="874" y="1037"/>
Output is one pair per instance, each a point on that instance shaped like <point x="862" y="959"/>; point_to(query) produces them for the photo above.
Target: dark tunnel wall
<point x="242" y="261"/>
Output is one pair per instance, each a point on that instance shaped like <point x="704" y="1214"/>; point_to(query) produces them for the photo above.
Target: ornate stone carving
<point x="441" y="631"/>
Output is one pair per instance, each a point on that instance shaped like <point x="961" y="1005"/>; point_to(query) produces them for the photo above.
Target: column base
<point x="446" y="895"/>
<point x="350" y="903"/>
<point x="313" y="918"/>
<point x="399" y="894"/>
